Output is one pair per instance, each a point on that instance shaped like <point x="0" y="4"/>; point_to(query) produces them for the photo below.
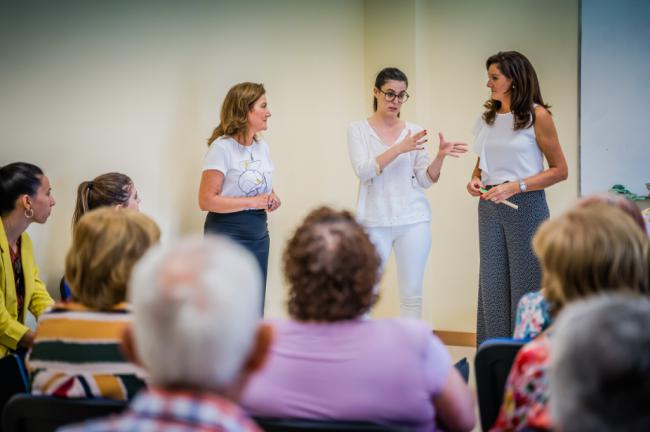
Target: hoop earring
<point x="29" y="213"/>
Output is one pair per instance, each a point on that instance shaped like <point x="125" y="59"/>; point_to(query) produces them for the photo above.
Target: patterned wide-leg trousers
<point x="509" y="268"/>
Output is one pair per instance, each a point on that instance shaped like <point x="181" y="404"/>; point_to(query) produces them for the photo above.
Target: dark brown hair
<point x="235" y="108"/>
<point x="16" y="179"/>
<point x="105" y="190"/>
<point x="331" y="268"/>
<point x="388" y="74"/>
<point x="524" y="93"/>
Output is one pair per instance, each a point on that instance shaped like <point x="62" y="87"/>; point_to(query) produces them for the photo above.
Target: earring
<point x="29" y="213"/>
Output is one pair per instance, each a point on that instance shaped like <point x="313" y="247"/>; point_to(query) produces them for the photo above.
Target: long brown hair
<point x="525" y="92"/>
<point x="105" y="190"/>
<point x="235" y="108"/>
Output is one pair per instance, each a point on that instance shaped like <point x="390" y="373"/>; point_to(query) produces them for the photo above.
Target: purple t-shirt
<point x="385" y="371"/>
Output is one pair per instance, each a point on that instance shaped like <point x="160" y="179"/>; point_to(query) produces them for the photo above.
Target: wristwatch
<point x="522" y="186"/>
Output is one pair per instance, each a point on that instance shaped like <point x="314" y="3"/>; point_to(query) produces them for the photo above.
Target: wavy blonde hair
<point x="106" y="244"/>
<point x="235" y="108"/>
<point x="590" y="250"/>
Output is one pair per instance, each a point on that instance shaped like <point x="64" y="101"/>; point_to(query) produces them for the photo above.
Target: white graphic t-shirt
<point x="247" y="169"/>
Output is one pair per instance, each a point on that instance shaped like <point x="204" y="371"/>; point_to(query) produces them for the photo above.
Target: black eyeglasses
<point x="390" y="96"/>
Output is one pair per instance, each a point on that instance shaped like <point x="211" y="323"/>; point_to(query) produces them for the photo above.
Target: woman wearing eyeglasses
<point x="389" y="157"/>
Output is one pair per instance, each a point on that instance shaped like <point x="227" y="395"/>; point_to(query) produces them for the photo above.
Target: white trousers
<point x="412" y="244"/>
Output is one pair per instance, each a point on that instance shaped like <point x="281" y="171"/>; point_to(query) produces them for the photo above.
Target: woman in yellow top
<point x="25" y="197"/>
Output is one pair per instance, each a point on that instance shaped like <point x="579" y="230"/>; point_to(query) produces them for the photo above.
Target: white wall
<point x="614" y="110"/>
<point x="89" y="87"/>
<point x="443" y="46"/>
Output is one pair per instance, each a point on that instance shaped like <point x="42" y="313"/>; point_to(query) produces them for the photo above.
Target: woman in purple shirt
<point x="329" y="363"/>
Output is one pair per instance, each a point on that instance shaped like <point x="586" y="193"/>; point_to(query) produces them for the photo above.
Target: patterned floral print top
<point x="525" y="401"/>
<point x="532" y="316"/>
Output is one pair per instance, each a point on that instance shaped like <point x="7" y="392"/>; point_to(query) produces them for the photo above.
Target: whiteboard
<point x="615" y="95"/>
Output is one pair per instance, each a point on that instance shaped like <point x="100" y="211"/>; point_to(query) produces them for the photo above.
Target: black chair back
<point x="493" y="361"/>
<point x="27" y="413"/>
<point x="13" y="379"/>
<point x="297" y="425"/>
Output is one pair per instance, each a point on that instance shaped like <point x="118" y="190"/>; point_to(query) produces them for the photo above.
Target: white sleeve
<point x="421" y="163"/>
<point x="216" y="158"/>
<point x="365" y="165"/>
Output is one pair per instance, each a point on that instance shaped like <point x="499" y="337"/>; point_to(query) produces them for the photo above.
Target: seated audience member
<point x="585" y="251"/>
<point x="25" y="197"/>
<point x="107" y="190"/>
<point x="600" y="366"/>
<point x="197" y="333"/>
<point x="533" y="315"/>
<point x="76" y="352"/>
<point x="329" y="363"/>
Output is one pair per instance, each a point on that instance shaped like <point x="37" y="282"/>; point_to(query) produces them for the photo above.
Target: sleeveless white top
<point x="506" y="154"/>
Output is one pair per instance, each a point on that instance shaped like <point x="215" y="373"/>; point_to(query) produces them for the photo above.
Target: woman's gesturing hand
<point x="447" y="148"/>
<point x="412" y="142"/>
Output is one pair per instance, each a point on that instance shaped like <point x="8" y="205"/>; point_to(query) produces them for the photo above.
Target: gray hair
<point x="600" y="365"/>
<point x="196" y="310"/>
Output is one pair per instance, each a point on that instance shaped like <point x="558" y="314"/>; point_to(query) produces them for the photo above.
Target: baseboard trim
<point x="456" y="338"/>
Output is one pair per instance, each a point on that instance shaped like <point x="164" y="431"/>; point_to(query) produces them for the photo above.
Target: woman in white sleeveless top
<point x="512" y="138"/>
<point x="388" y="156"/>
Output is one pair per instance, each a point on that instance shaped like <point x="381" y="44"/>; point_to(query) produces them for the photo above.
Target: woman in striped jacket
<point x="76" y="352"/>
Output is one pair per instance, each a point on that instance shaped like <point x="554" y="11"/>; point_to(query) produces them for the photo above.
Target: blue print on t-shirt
<point x="251" y="181"/>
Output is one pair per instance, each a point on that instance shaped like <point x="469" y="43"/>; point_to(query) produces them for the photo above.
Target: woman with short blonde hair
<point x="584" y="252"/>
<point x="104" y="249"/>
<point x="76" y="353"/>
<point x="589" y="251"/>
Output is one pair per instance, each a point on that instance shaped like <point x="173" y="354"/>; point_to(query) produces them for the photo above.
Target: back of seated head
<point x="600" y="374"/>
<point x="331" y="267"/>
<point x="105" y="246"/>
<point x="617" y="201"/>
<point x="196" y="311"/>
<point x="591" y="249"/>
<point x="106" y="190"/>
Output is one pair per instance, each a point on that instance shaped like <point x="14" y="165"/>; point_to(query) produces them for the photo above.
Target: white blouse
<point x="395" y="196"/>
<point x="506" y="154"/>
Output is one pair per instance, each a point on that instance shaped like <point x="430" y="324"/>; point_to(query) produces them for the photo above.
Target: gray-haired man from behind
<point x="196" y="330"/>
<point x="600" y="373"/>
